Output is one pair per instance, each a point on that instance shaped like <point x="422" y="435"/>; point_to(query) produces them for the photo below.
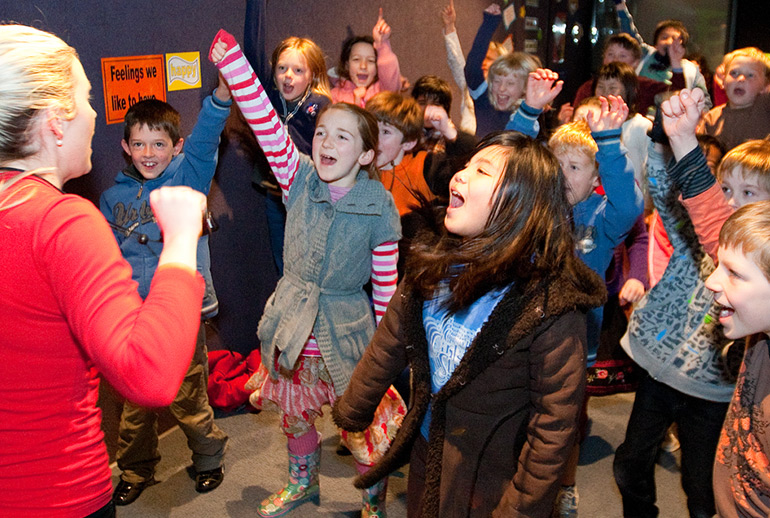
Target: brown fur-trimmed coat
<point x="503" y="425"/>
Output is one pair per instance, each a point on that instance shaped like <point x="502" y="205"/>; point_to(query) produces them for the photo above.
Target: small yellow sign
<point x="183" y="70"/>
<point x="128" y="80"/>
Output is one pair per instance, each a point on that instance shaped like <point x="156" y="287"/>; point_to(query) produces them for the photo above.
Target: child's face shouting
<point x="744" y="81"/>
<point x="338" y="152"/>
<point x="743" y="292"/>
<point x="472" y="190"/>
<point x="505" y="90"/>
<point x="362" y="64"/>
<point x="292" y="75"/>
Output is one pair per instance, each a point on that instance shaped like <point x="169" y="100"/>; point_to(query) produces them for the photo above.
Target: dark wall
<point x="749" y="26"/>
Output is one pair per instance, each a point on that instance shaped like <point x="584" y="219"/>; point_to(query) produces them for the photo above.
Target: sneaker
<point x="566" y="505"/>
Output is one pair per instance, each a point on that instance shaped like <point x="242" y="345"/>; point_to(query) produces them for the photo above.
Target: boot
<point x="302" y="486"/>
<point x="374" y="500"/>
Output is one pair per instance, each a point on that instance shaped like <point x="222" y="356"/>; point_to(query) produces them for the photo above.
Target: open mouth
<point x="455" y="199"/>
<point x="739" y="91"/>
<point x="725" y="312"/>
<point x="149" y="165"/>
<point x="362" y="78"/>
<point x="327" y="160"/>
<point x="287" y="88"/>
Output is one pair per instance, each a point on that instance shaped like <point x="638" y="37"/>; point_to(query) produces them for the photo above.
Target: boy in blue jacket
<point x="159" y="156"/>
<point x="591" y="155"/>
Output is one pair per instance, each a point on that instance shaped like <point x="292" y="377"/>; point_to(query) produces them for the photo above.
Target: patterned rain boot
<point x="374" y="500"/>
<point x="302" y="486"/>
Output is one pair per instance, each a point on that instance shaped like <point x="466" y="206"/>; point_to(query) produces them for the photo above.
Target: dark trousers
<point x="138" y="453"/>
<point x="108" y="511"/>
<point x="699" y="423"/>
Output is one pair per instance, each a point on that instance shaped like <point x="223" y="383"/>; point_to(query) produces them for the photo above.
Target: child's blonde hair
<point x="749" y="230"/>
<point x="574" y="136"/>
<point x="520" y="64"/>
<point x="752" y="158"/>
<point x="316" y="62"/>
<point x="751" y="53"/>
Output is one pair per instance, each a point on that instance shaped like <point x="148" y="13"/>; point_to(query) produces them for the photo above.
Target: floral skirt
<point x="299" y="396"/>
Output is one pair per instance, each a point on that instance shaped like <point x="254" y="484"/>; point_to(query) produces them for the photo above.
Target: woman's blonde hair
<point x="315" y="59"/>
<point x="37" y="75"/>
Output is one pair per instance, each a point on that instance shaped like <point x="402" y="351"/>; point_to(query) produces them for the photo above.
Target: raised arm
<point x="474" y="76"/>
<point x="201" y="148"/>
<point x="251" y="98"/>
<point x="254" y="34"/>
<point x="543" y="87"/>
<point x="388" y="69"/>
<point x="624" y="199"/>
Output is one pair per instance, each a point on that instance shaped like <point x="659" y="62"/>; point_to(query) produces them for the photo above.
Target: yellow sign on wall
<point x="128" y="80"/>
<point x="183" y="70"/>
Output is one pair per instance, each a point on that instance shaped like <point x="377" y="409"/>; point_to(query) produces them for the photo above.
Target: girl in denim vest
<point x="342" y="230"/>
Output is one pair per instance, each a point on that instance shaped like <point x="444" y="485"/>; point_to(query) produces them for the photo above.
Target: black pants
<point x="699" y="422"/>
<point x="108" y="511"/>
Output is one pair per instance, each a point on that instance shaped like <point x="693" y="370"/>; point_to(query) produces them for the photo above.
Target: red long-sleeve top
<point x="70" y="310"/>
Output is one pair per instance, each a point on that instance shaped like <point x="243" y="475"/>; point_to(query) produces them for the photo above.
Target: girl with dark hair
<point x="367" y="66"/>
<point x="491" y="319"/>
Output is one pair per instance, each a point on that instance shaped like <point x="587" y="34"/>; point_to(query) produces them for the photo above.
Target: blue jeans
<point x="699" y="422"/>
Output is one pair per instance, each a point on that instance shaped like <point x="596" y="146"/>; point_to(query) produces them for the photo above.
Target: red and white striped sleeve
<point x="256" y="107"/>
<point x="384" y="276"/>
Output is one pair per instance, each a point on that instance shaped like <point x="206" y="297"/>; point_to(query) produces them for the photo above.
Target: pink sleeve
<point x="384" y="276"/>
<point x="256" y="107"/>
<point x="143" y="348"/>
<point x="708" y="212"/>
<point x="388" y="70"/>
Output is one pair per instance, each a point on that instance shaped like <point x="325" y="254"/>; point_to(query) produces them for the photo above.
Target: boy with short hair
<point x="741" y="286"/>
<point x="666" y="58"/>
<point x="590" y="154"/>
<point x="747" y="112"/>
<point x="400" y="120"/>
<point x="673" y="333"/>
<point x="625" y="49"/>
<point x="159" y="156"/>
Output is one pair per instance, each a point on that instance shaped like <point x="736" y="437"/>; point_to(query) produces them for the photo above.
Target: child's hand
<point x="566" y="112"/>
<point x="449" y="17"/>
<point x="218" y="51"/>
<point x="681" y="112"/>
<point x="223" y="90"/>
<point x="358" y="95"/>
<point x="179" y="211"/>
<point x="541" y="89"/>
<point x="439" y="119"/>
<point x="612" y="114"/>
<point x="381" y="31"/>
<point x="676" y="52"/>
<point x="631" y="292"/>
<point x="719" y="76"/>
<point x="494" y="9"/>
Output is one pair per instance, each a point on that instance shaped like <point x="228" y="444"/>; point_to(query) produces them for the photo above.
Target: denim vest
<point x="327" y="262"/>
